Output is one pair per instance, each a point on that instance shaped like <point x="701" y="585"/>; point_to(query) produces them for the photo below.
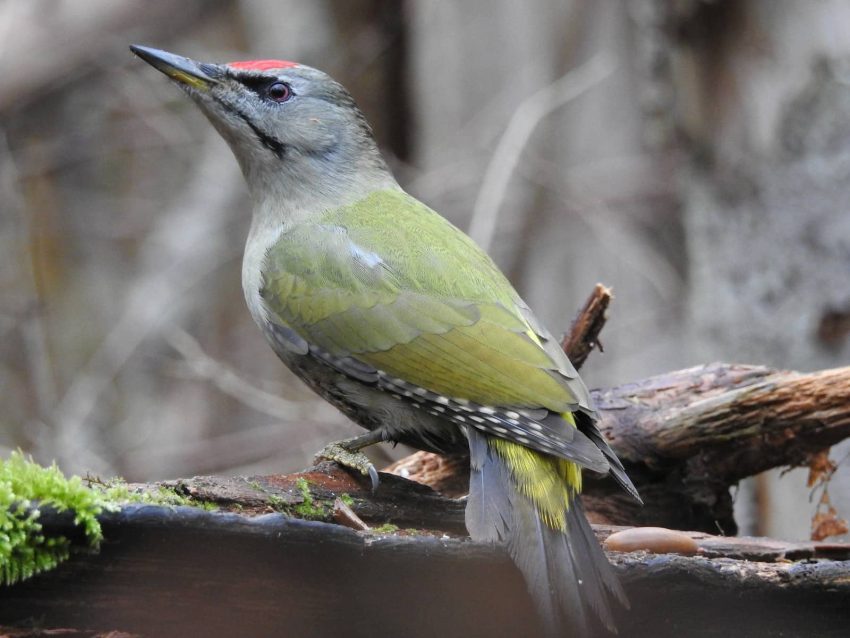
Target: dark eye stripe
<point x="264" y="85"/>
<point x="255" y="82"/>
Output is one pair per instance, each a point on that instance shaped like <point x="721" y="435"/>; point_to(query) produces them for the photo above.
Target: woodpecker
<point x="402" y="322"/>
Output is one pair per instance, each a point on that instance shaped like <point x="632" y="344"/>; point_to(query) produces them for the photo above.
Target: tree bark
<point x="685" y="437"/>
<point x="187" y="572"/>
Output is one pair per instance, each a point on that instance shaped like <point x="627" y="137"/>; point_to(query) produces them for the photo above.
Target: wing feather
<point x="429" y="315"/>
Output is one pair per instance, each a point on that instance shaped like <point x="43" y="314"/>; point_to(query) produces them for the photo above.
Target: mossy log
<point x="402" y="565"/>
<point x="254" y="567"/>
<point x="189" y="572"/>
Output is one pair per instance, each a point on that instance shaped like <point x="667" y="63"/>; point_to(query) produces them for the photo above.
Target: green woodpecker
<point x="399" y="320"/>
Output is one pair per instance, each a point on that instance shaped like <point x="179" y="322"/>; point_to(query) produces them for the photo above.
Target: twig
<point x="522" y="124"/>
<point x="187" y="245"/>
<point x="226" y="380"/>
<point x="344" y="515"/>
<point x="583" y="336"/>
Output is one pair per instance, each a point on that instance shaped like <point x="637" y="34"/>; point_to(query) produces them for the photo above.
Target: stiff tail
<point x="530" y="501"/>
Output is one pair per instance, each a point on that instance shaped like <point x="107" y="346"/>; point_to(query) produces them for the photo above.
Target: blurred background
<point x="693" y="155"/>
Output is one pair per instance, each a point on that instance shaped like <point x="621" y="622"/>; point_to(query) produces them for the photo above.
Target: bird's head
<point x="288" y="124"/>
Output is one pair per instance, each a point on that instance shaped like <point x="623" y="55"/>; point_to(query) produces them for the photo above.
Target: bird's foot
<point x="340" y="452"/>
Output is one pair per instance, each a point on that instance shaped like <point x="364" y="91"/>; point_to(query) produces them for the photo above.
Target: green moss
<point x="277" y="502"/>
<point x="303" y="486"/>
<point x="386" y="528"/>
<point x="308" y="508"/>
<point x="118" y="492"/>
<point x="345" y="497"/>
<point x="24" y="488"/>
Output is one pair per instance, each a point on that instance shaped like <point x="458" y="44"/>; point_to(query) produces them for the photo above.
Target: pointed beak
<point x="183" y="70"/>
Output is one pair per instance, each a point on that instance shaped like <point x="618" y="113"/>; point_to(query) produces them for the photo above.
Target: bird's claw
<point x="354" y="460"/>
<point x="373" y="474"/>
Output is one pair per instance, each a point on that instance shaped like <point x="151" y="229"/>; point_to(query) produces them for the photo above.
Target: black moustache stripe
<point x="274" y="145"/>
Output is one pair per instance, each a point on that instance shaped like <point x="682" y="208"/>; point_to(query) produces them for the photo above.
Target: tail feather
<point x="587" y="427"/>
<point x="590" y="559"/>
<point x="562" y="590"/>
<point x="565" y="570"/>
<point x="488" y="503"/>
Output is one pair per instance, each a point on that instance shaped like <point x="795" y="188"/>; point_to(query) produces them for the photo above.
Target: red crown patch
<point x="261" y="65"/>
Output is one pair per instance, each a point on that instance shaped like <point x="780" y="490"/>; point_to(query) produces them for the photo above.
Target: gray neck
<point x="297" y="191"/>
<point x="289" y="190"/>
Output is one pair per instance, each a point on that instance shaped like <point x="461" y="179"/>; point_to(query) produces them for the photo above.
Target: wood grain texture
<point x="183" y="571"/>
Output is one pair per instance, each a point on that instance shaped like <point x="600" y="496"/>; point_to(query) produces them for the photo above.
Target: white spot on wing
<point x="366" y="257"/>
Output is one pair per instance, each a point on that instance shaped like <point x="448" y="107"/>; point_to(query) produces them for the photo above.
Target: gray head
<point x="289" y="125"/>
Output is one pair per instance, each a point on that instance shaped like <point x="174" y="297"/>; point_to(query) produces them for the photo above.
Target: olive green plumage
<point x="391" y="281"/>
<point x="407" y="326"/>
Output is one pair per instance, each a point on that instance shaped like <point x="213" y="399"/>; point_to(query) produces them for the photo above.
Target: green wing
<point x="389" y="283"/>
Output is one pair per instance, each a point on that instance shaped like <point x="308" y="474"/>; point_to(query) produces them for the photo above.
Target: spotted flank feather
<point x="539" y="430"/>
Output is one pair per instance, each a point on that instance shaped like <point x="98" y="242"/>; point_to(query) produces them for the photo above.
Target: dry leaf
<point x="820" y="468"/>
<point x="827" y="523"/>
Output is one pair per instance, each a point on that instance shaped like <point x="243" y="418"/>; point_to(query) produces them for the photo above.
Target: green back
<point x="393" y="284"/>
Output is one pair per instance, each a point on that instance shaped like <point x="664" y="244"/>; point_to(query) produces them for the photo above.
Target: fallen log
<point x="401" y="564"/>
<point x="189" y="572"/>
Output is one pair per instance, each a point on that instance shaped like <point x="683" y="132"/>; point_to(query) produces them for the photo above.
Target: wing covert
<point x="428" y="311"/>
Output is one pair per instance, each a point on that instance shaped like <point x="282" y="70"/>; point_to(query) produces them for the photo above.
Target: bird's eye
<point x="279" y="92"/>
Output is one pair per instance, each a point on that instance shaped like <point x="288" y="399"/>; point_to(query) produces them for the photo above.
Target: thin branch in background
<point x="229" y="454"/>
<point x="522" y="124"/>
<point x="203" y="366"/>
<point x="255" y="445"/>
<point x="188" y="243"/>
<point x="615" y="232"/>
<point x="441" y="180"/>
<point x="58" y="49"/>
